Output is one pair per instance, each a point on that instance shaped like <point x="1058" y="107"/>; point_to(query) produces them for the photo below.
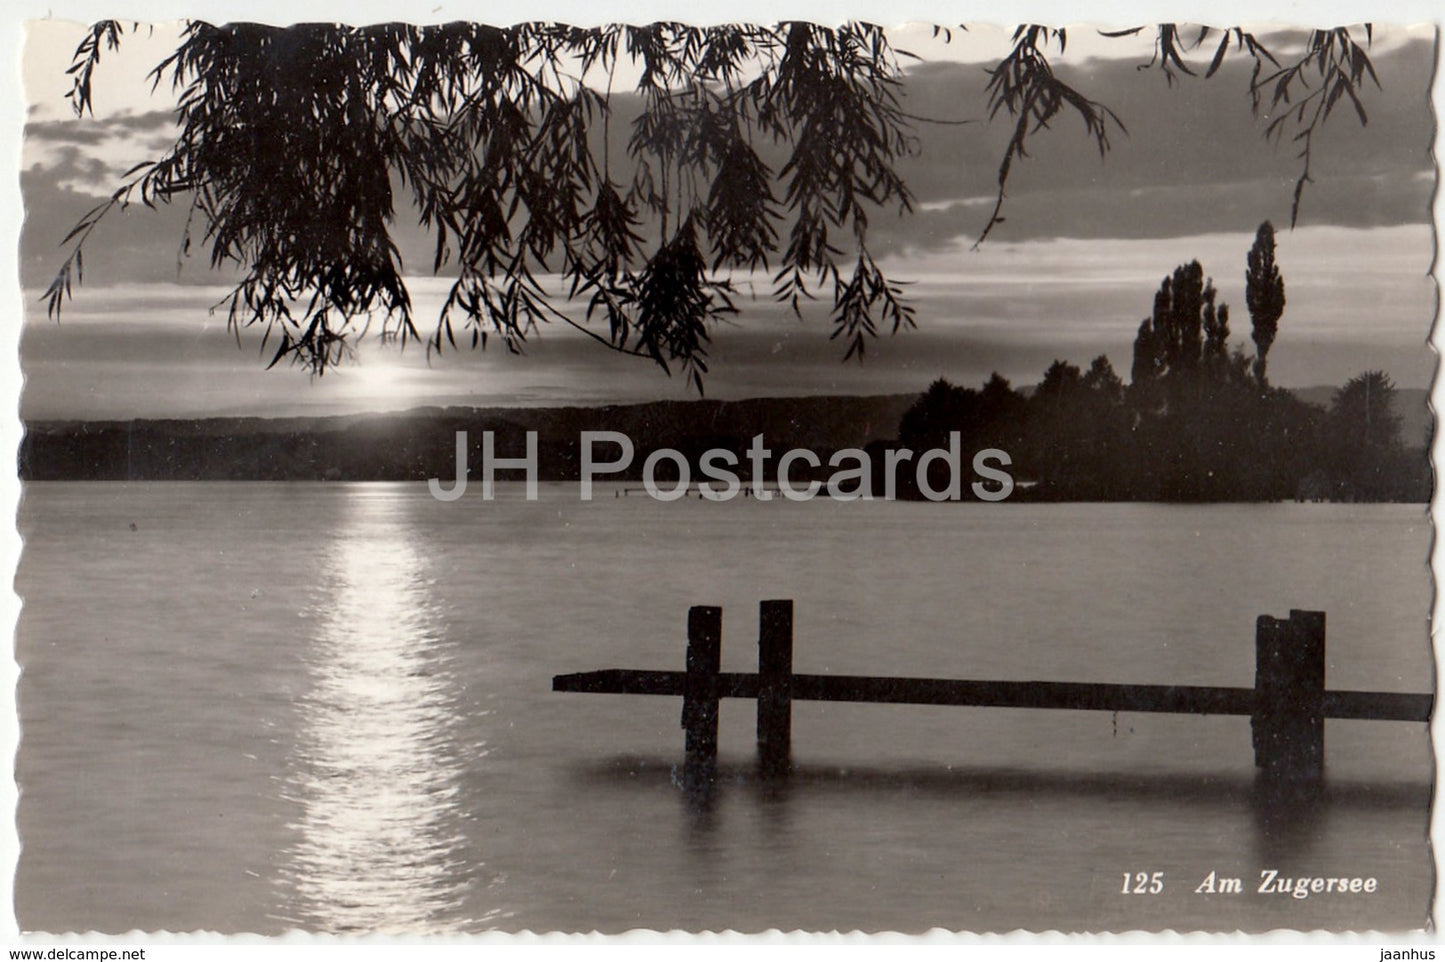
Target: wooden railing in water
<point x="1287" y="706"/>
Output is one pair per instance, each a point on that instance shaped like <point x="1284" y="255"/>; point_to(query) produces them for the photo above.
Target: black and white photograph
<point x="487" y="474"/>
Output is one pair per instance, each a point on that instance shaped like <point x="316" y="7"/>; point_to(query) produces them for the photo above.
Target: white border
<point x="16" y="12"/>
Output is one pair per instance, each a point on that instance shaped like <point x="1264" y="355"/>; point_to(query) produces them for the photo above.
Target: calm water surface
<point x="328" y="707"/>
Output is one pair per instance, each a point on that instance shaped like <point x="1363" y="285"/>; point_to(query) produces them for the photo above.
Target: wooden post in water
<point x="1289" y="687"/>
<point x="700" y="696"/>
<point x="1287" y="705"/>
<point x="775" y="687"/>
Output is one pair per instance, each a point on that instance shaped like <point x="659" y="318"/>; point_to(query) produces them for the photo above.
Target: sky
<point x="1069" y="275"/>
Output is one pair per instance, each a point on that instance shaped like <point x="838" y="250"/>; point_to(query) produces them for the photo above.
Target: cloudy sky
<point x="1069" y="275"/>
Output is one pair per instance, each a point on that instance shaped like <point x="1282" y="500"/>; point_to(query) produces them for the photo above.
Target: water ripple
<point x="380" y="844"/>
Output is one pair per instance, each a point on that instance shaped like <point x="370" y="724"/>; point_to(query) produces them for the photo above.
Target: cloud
<point x="1194" y="158"/>
<point x="110" y="147"/>
<point x="130" y="244"/>
<point x="1194" y="161"/>
<point x="66" y="132"/>
<point x="1355" y="299"/>
<point x="70" y="164"/>
<point x="1109" y="210"/>
<point x="144" y="121"/>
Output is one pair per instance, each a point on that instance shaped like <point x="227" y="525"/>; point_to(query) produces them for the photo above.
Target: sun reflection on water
<point x="381" y="843"/>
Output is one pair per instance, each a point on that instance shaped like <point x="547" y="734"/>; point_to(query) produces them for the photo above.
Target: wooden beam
<point x="1078" y="696"/>
<point x="1379" y="705"/>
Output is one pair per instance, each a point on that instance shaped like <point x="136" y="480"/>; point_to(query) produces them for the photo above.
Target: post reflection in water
<point x="380" y="842"/>
<point x="1280" y="822"/>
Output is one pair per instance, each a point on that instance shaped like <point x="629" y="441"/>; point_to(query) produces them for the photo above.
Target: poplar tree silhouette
<point x="1264" y="296"/>
<point x="1182" y="344"/>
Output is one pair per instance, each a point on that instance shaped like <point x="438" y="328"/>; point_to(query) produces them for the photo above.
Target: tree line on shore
<point x="1198" y="421"/>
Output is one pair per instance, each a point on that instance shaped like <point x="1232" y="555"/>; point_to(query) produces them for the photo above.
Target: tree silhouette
<point x="1103" y="382"/>
<point x="297" y="145"/>
<point x="942" y="408"/>
<point x="1195" y="425"/>
<point x="1365" y="435"/>
<point x="1364" y="412"/>
<point x="1183" y="344"/>
<point x="1079" y="434"/>
<point x="1213" y="429"/>
<point x="1264" y="295"/>
<point x="1060" y="385"/>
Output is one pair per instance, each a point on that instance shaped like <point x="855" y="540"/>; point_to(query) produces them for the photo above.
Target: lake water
<point x="255" y="707"/>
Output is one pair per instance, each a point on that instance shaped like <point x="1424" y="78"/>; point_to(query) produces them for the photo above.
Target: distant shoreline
<point x="418" y="444"/>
